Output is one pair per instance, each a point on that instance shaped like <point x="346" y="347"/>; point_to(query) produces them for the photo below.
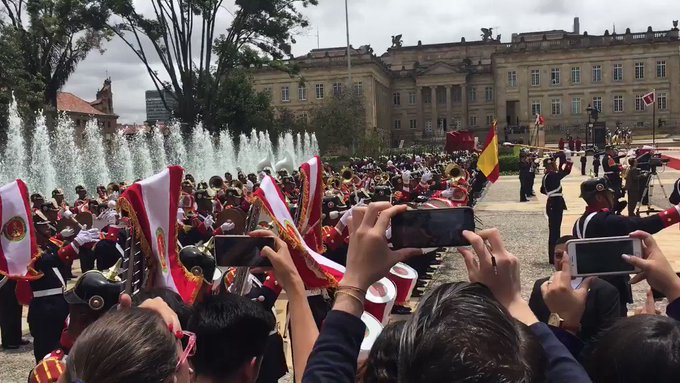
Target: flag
<point x="488" y="160"/>
<point x="152" y="206"/>
<point x="539" y="120"/>
<point x="309" y="222"/>
<point x="649" y="98"/>
<point x="18" y="246"/>
<point x="315" y="270"/>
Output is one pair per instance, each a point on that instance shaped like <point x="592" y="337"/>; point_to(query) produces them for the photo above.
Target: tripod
<point x="648" y="192"/>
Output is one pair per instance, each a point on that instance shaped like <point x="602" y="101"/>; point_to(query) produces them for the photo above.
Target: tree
<point x="340" y="123"/>
<point x="51" y="37"/>
<point x="243" y="108"/>
<point x="195" y="69"/>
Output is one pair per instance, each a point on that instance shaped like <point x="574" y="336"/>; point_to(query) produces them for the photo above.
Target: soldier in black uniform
<point x="10" y="316"/>
<point x="612" y="171"/>
<point x="596" y="164"/>
<point x="533" y="168"/>
<point x="524" y="170"/>
<point x="584" y="161"/>
<point x="600" y="220"/>
<point x="48" y="310"/>
<point x="555" y="205"/>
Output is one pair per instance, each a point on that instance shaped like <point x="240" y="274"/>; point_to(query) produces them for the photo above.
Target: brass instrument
<point x="454" y="172"/>
<point x="381" y="179"/>
<point x="333" y="182"/>
<point x="216" y="183"/>
<point x="347" y="175"/>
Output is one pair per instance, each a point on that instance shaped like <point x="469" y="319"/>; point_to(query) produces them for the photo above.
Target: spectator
<point x="381" y="366"/>
<point x="171" y="298"/>
<point x="149" y="351"/>
<point x="602" y="303"/>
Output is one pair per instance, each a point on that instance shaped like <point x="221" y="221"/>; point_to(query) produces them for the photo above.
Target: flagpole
<point x="654" y="119"/>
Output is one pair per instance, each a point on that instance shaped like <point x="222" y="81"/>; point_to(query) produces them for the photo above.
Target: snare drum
<point x="405" y="278"/>
<point x="380" y="300"/>
<point x="373" y="330"/>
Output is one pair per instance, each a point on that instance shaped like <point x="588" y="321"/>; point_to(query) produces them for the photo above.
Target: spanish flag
<point x="488" y="160"/>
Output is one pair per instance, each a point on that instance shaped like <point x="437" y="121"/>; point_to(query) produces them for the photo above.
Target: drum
<point x="380" y="300"/>
<point x="373" y="330"/>
<point x="404" y="278"/>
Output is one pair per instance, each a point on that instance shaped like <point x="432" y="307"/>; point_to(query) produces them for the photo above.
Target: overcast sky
<point x="374" y="21"/>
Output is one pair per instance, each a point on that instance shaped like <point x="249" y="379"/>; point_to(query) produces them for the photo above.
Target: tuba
<point x="285" y="164"/>
<point x="216" y="183"/>
<point x="264" y="164"/>
<point x="454" y="172"/>
<point x="347" y="175"/>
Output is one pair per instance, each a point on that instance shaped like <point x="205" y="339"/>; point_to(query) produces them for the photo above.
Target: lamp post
<point x="589" y="110"/>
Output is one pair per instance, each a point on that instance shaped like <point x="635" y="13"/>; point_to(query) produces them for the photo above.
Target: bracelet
<point x="352" y="288"/>
<point x="358" y="299"/>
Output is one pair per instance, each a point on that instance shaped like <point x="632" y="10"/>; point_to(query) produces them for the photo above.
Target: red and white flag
<point x="152" y="206"/>
<point x="315" y="270"/>
<point x="649" y="98"/>
<point x="17" y="235"/>
<point x="539" y="120"/>
<point x="309" y="223"/>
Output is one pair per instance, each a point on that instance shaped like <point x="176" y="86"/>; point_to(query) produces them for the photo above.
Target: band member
<point x="584" y="161"/>
<point x="600" y="220"/>
<point x="612" y="171"/>
<point x="555" y="204"/>
<point x="200" y="264"/>
<point x="524" y="170"/>
<point x="10" y="316"/>
<point x="633" y="183"/>
<point x="37" y="200"/>
<point x="102" y="196"/>
<point x="82" y="198"/>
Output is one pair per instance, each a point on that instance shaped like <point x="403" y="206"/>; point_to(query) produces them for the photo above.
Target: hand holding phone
<point x="242" y="250"/>
<point x="655" y="268"/>
<point x="432" y="228"/>
<point x="603" y="256"/>
<point x="284" y="269"/>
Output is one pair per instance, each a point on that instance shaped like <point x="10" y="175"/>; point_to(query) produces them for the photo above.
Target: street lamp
<point x="589" y="110"/>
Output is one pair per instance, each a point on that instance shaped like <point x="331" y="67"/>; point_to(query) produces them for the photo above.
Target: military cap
<point x="199" y="263"/>
<point x="594" y="185"/>
<point x="98" y="290"/>
<point x="57" y="192"/>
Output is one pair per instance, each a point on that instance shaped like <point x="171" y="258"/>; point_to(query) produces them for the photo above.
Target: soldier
<point x="200" y="264"/>
<point x="93" y="294"/>
<point x="82" y="202"/>
<point x="596" y="163"/>
<point x="10" y="316"/>
<point x="37" y="200"/>
<point x="524" y="170"/>
<point x="584" y="161"/>
<point x="102" y="195"/>
<point x="612" y="170"/>
<point x="555" y="205"/>
<point x="600" y="220"/>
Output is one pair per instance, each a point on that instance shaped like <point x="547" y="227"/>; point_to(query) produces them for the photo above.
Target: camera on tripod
<point x="649" y="162"/>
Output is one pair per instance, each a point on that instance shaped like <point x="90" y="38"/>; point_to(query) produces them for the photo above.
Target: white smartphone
<point x="602" y="256"/>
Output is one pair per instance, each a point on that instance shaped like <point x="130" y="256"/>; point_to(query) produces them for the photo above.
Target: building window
<point x="427" y="98"/>
<point x="662" y="101"/>
<point x="319" y="91"/>
<point x="618" y="103"/>
<point x="359" y="88"/>
<point x="472" y="96"/>
<point x="576" y="75"/>
<point x="397" y="124"/>
<point x="441" y="96"/>
<point x="535" y="108"/>
<point x="639" y="103"/>
<point x="555" y="106"/>
<point x="555" y="76"/>
<point x="455" y="94"/>
<point x="412" y="124"/>
<point x="411" y="98"/>
<point x="512" y="79"/>
<point x="428" y="125"/>
<point x="473" y="120"/>
<point x="576" y="105"/>
<point x="285" y="94"/>
<point x="597" y="73"/>
<point x="337" y="89"/>
<point x="661" y="69"/>
<point x="488" y="94"/>
<point x="396" y="98"/>
<point x="302" y="93"/>
<point x="535" y="77"/>
<point x="639" y="71"/>
<point x="597" y="103"/>
<point x="489" y="119"/>
<point x="618" y="72"/>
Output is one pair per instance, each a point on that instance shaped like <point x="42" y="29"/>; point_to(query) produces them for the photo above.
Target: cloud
<point x="374" y="21"/>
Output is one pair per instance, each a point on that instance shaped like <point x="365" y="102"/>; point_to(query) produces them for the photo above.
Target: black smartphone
<point x="658" y="295"/>
<point x="241" y="251"/>
<point x="602" y="256"/>
<point x="432" y="227"/>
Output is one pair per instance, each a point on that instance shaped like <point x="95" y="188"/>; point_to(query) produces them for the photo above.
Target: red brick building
<point x="81" y="111"/>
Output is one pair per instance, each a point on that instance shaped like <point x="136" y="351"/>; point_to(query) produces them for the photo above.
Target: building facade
<point x="417" y="93"/>
<point x="156" y="110"/>
<point x="80" y="111"/>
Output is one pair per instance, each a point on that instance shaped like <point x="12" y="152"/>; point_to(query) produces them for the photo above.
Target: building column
<point x="449" y="117"/>
<point x="464" y="98"/>
<point x="419" y="111"/>
<point x="434" y="108"/>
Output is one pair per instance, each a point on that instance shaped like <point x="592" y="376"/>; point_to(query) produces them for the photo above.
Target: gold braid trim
<point x="305" y="202"/>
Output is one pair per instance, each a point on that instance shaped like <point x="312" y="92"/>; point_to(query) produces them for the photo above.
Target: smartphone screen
<point x="603" y="257"/>
<point x="241" y="251"/>
<point x="432" y="228"/>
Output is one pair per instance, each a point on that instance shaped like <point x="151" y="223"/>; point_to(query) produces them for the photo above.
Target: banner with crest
<point x="18" y="246"/>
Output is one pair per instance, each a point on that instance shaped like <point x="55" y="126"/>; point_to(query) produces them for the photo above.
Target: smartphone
<point x="241" y="251"/>
<point x="602" y="256"/>
<point x="432" y="228"/>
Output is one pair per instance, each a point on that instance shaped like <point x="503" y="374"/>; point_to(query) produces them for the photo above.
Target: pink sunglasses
<point x="190" y="348"/>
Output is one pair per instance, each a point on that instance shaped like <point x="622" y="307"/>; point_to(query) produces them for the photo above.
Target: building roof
<point x="68" y="102"/>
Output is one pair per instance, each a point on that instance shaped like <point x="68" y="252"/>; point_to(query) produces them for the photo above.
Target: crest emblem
<point x="14" y="229"/>
<point x="160" y="242"/>
<point x="599" y="187"/>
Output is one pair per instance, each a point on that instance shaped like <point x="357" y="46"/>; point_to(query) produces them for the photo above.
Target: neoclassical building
<point x="417" y="93"/>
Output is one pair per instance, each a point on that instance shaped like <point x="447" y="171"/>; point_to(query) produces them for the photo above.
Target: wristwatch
<point x="556" y="321"/>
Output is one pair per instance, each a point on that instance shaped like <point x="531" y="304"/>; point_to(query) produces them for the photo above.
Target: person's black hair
<point x="381" y="366"/>
<point x="563" y="239"/>
<point x="171" y="298"/>
<point x="230" y="331"/>
<point x="638" y="349"/>
<point x="460" y="333"/>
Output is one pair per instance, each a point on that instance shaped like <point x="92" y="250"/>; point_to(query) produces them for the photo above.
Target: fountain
<point x="93" y="161"/>
<point x="41" y="171"/>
